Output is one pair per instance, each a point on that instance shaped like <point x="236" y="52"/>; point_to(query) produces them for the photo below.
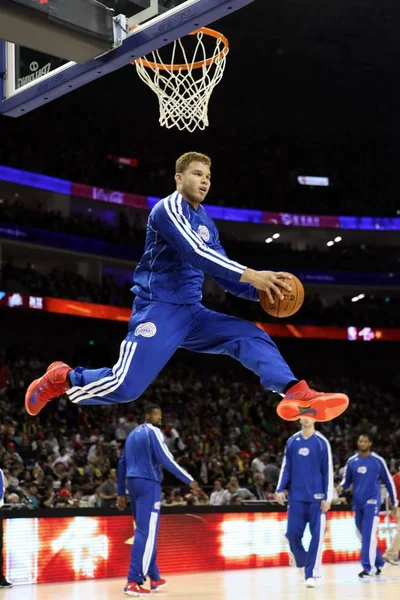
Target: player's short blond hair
<point x="184" y="161"/>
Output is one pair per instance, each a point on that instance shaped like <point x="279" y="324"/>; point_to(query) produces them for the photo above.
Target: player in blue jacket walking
<point x="140" y="469"/>
<point x="182" y="244"/>
<point x="364" y="471"/>
<point x="307" y="475"/>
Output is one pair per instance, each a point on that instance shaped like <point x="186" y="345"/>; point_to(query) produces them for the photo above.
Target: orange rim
<point x="197" y="65"/>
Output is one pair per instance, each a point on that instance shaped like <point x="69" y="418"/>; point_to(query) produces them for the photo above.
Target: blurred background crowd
<point x="218" y="423"/>
<point x="324" y="115"/>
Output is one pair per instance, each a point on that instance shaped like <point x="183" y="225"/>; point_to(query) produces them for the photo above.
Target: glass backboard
<point x="29" y="78"/>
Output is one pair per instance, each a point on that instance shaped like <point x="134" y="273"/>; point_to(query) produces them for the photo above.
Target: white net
<point x="183" y="86"/>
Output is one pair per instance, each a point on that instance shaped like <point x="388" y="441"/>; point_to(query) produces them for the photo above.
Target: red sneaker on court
<point x="302" y="401"/>
<point x="135" y="589"/>
<point x="157" y="585"/>
<point x="51" y="385"/>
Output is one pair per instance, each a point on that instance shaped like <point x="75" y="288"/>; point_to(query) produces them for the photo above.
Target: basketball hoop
<point x="184" y="86"/>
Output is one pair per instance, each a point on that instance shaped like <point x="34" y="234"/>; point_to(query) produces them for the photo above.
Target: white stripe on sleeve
<point x="198" y="246"/>
<point x="283" y="467"/>
<point x="329" y="492"/>
<point x="390" y="478"/>
<point x="177" y="208"/>
<point x="345" y="470"/>
<point x="167" y="453"/>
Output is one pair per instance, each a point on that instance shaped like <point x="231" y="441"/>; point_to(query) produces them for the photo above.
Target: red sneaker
<point x="302" y="401"/>
<point x="133" y="588"/>
<point x="157" y="585"/>
<point x="51" y="385"/>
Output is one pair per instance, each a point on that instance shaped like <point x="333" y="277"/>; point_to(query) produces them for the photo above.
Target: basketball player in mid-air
<point x="182" y="244"/>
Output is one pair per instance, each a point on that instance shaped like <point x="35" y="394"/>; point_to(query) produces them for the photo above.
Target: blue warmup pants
<point x="299" y="514"/>
<point x="145" y="497"/>
<point x="367" y="520"/>
<point x="157" y="330"/>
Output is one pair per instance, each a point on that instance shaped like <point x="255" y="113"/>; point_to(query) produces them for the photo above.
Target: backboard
<point x="29" y="78"/>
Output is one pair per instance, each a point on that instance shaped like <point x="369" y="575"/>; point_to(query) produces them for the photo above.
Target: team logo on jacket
<point x="362" y="470"/>
<point x="203" y="233"/>
<point x="304" y="451"/>
<point x="147" y="330"/>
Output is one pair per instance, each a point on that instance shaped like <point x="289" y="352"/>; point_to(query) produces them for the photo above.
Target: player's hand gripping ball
<point x="291" y="302"/>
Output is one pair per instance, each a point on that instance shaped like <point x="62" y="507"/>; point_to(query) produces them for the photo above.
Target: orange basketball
<point x="291" y="302"/>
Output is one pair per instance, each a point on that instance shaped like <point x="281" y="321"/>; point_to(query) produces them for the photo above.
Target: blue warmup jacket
<point x="366" y="474"/>
<point x="307" y="469"/>
<point x="145" y="451"/>
<point x="181" y="245"/>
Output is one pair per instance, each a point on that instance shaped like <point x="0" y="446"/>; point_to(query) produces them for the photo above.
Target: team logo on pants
<point x="146" y="329"/>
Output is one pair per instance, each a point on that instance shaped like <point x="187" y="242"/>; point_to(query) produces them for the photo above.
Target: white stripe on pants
<point x="108" y="384"/>
<point x="318" y="560"/>
<point x="373" y="543"/>
<point x="148" y="551"/>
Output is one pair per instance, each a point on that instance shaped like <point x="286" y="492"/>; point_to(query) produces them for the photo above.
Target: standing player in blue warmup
<point x="307" y="474"/>
<point x="182" y="244"/>
<point x="139" y="468"/>
<point x="364" y="471"/>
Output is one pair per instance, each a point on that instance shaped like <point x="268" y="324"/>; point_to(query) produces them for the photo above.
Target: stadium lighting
<point x="314" y="181"/>
<point x="276" y="236"/>
<point x="337" y="239"/>
<point x="357" y="298"/>
<point x="330" y="243"/>
<point x="269" y="240"/>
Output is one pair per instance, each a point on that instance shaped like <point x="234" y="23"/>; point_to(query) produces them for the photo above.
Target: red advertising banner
<point x="116" y="313"/>
<point x="46" y="550"/>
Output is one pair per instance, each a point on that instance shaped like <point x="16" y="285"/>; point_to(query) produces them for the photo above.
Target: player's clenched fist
<point x="267" y="281"/>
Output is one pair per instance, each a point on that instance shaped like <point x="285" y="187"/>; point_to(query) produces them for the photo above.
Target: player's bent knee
<point x="292" y="536"/>
<point x="129" y="392"/>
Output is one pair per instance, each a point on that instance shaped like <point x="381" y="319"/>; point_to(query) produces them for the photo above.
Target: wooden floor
<point x="338" y="582"/>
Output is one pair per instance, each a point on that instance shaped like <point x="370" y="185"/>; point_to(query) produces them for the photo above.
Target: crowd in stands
<point x="220" y="425"/>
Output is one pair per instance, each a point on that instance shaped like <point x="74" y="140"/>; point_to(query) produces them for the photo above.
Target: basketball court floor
<point x="339" y="582"/>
